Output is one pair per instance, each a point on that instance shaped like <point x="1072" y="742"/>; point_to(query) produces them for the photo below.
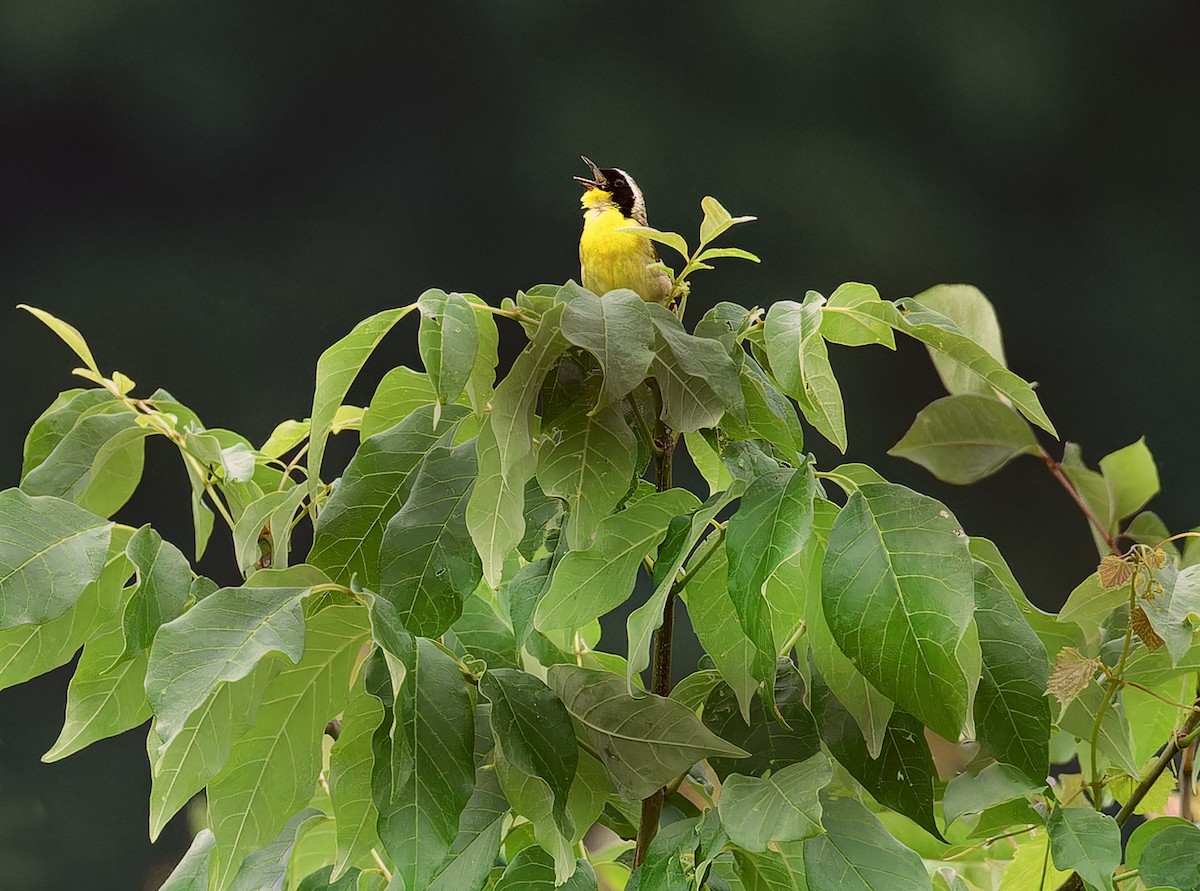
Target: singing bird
<point x="609" y="258"/>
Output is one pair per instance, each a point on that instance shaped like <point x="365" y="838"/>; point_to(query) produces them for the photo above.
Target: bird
<point x="608" y="257"/>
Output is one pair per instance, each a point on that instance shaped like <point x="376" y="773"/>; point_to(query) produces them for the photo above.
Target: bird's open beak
<point x="598" y="181"/>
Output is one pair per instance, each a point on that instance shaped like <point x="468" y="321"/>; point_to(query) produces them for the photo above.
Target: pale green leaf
<point x="267" y="519"/>
<point x="50" y="551"/>
<point x="1175" y="610"/>
<point x="191" y="873"/>
<point x="856" y="853"/>
<point x="219" y="640"/>
<point x="800" y="362"/>
<point x="644" y="742"/>
<point x="66" y="332"/>
<point x="973" y="314"/>
<point x="779" y="808"/>
<point x="965" y="438"/>
<point x="495" y="512"/>
<point x="401" y="392"/>
<point x="273" y="767"/>
<point x="716" y="219"/>
<point x="336" y="370"/>
<point x="1086" y="841"/>
<point x="842" y="322"/>
<point x="780" y="870"/>
<point x="670" y="239"/>
<point x="448" y="339"/>
<point x="351" y="763"/>
<point x="1131" y="477"/>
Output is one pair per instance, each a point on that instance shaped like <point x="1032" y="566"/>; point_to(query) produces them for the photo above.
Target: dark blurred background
<point x="215" y="192"/>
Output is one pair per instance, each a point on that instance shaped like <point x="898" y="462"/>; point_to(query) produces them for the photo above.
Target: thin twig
<point x="1056" y="470"/>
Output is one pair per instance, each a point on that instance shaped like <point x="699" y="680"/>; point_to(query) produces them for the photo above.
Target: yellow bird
<point x="609" y="258"/>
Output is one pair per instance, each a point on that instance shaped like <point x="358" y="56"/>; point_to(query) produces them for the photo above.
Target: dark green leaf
<point x="587" y="460"/>
<point x="772" y="744"/>
<point x="481" y="632"/>
<point x="533" y="870"/>
<point x="963" y="439"/>
<point x="1086" y="841"/>
<point x="644" y="742"/>
<point x="50" y="551"/>
<point x="781" y="870"/>
<point x="533" y="728"/>
<point x="448" y="340"/>
<point x="1172" y="858"/>
<point x="434" y="766"/>
<point x="618" y="332"/>
<point x="1012" y="714"/>
<point x="264" y="530"/>
<point x="969" y="793"/>
<point x="857" y="853"/>
<point x="58" y="420"/>
<point x="901" y="777"/>
<point x="898" y="592"/>
<point x="373" y="488"/>
<point x="772" y="524"/>
<point x="427" y="562"/>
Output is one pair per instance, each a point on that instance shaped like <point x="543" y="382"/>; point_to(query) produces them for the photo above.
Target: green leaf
<point x="474" y="849"/>
<point x="483" y="633"/>
<point x="616" y="330"/>
<point x="427" y="562"/>
<point x="717" y="219"/>
<point x="535" y="732"/>
<point x="707" y="460"/>
<point x="972" y="313"/>
<point x="272" y="512"/>
<point x="336" y="370"/>
<point x="800" y="362"/>
<point x="1175" y="610"/>
<point x="373" y="488"/>
<point x="772" y="745"/>
<point x="401" y="392"/>
<point x="963" y="439"/>
<point x="218" y="640"/>
<point x="495" y="513"/>
<point x="941" y="334"/>
<point x="1012" y="714"/>
<point x="694" y="689"/>
<point x="857" y="853"/>
<point x="969" y="793"/>
<point x="735" y="253"/>
<point x="1172" y="858"/>
<point x="901" y="776"/>
<point x="448" y="340"/>
<point x="709" y="608"/>
<point x="683" y="535"/>
<point x="782" y="807"/>
<point x="1031" y="868"/>
<point x="164" y="578"/>
<point x="191" y="873"/>
<point x="781" y="870"/>
<point x="644" y="742"/>
<point x="842" y="322"/>
<point x="773" y="523"/>
<point x="267" y="867"/>
<point x="769" y="414"/>
<point x="587" y="460"/>
<point x="588" y="583"/>
<point x="97" y="464"/>
<point x="698" y="379"/>
<point x="273" y="767"/>
<point x="669" y="859"/>
<point x="869" y="708"/>
<point x="670" y="239"/>
<point x="67" y="333"/>
<point x="480" y="384"/>
<point x="103" y="699"/>
<point x="50" y="551"/>
<point x="431" y="761"/>
<point x="198" y="751"/>
<point x="285" y="437"/>
<point x="1131" y="477"/>
<point x="1086" y="841"/>
<point x="1090" y="604"/>
<point x="898" y="595"/>
<point x="351" y="763"/>
<point x="1115" y="741"/>
<point x="59" y="418"/>
<point x="533" y="870"/>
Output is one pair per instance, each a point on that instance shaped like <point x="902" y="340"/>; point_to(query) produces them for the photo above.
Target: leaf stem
<point x="660" y="660"/>
<point x="1055" y="468"/>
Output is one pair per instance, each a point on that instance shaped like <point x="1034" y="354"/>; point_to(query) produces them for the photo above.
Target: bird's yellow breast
<point x="601" y="239"/>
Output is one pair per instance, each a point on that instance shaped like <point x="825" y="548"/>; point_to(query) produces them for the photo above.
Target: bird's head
<point x="612" y="187"/>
